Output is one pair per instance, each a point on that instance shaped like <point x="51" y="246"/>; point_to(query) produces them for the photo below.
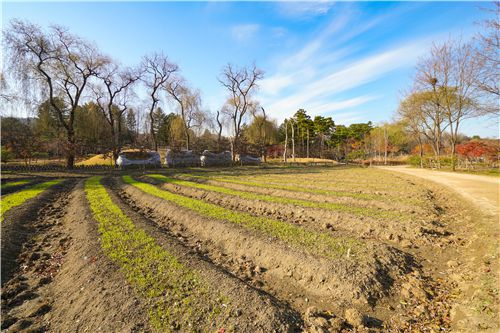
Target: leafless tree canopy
<point x="59" y="63"/>
<point x="189" y="105"/>
<point x="240" y="83"/>
<point x="156" y="72"/>
<point x="445" y="93"/>
<point x="487" y="55"/>
<point x="112" y="94"/>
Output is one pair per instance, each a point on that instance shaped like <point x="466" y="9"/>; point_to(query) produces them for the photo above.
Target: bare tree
<point x="285" y="157"/>
<point x="486" y="55"/>
<point x="261" y="124"/>
<point x="157" y="70"/>
<point x="57" y="62"/>
<point x="450" y="73"/>
<point x="112" y="98"/>
<point x="219" y="121"/>
<point x="240" y="83"/>
<point x="189" y="102"/>
<point x="412" y="116"/>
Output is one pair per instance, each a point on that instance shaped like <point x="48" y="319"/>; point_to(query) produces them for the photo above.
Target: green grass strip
<point x="10" y="201"/>
<point x="314" y="242"/>
<point x="302" y="189"/>
<point x="364" y="211"/>
<point x="181" y="300"/>
<point x="16" y="183"/>
<point x="363" y="196"/>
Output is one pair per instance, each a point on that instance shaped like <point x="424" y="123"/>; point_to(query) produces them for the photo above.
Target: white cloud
<point x="315" y="95"/>
<point x="304" y="10"/>
<point x="326" y="107"/>
<point x="244" y="32"/>
<point x="275" y="84"/>
<point x="278" y="32"/>
<point x="354" y="75"/>
<point x="348" y="118"/>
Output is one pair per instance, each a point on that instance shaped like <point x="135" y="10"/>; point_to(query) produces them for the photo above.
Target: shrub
<point x="5" y="155"/>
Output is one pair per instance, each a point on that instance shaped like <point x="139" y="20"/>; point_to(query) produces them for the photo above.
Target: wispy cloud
<point x="338" y="105"/>
<point x="244" y="32"/>
<point x="321" y="75"/>
<point x="317" y="94"/>
<point x="304" y="10"/>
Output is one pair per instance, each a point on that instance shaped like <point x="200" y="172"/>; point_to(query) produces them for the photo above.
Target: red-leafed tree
<point x="476" y="149"/>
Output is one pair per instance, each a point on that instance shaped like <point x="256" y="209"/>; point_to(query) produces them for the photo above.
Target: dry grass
<point x="302" y="160"/>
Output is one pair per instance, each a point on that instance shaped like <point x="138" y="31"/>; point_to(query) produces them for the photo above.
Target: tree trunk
<point x="453" y="153"/>
<point x="308" y="143"/>
<point x="293" y="143"/>
<point x="114" y="135"/>
<point x="234" y="143"/>
<point x="286" y="142"/>
<point x="70" y="157"/>
<point x="385" y="145"/>
<point x="421" y="153"/>
<point x="321" y="147"/>
<point x="187" y="139"/>
<point x="152" y="130"/>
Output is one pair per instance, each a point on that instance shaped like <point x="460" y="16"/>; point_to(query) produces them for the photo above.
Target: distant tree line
<point x="83" y="103"/>
<point x="87" y="102"/>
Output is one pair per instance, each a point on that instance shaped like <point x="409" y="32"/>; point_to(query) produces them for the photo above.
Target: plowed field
<point x="239" y="250"/>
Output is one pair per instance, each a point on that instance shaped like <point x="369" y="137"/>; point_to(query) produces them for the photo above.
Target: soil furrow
<point x="333" y="222"/>
<point x="91" y="294"/>
<point x="42" y="244"/>
<point x="403" y="210"/>
<point x="251" y="309"/>
<point x="17" y="226"/>
<point x="361" y="280"/>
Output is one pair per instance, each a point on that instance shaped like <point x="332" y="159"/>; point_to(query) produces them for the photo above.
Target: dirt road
<point x="477" y="272"/>
<point x="481" y="190"/>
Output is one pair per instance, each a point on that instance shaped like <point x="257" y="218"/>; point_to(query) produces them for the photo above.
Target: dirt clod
<point x="354" y="317"/>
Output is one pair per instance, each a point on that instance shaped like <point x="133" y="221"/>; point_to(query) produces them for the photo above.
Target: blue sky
<point x="350" y="61"/>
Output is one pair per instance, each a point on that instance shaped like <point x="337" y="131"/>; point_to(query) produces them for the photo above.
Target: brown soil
<point x="19" y="225"/>
<point x="470" y="264"/>
<point x="300" y="279"/>
<point x="256" y="311"/>
<point x="375" y="203"/>
<point x="423" y="230"/>
<point x="16" y="188"/>
<point x="63" y="282"/>
<point x="55" y="277"/>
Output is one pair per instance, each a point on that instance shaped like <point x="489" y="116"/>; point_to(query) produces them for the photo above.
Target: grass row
<point x="335" y="180"/>
<point x="318" y="243"/>
<point x="16" y="183"/>
<point x="301" y="189"/>
<point x="10" y="201"/>
<point x="292" y="188"/>
<point x="182" y="301"/>
<point x="363" y="211"/>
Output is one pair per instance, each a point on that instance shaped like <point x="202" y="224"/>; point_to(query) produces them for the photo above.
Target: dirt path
<point x="475" y="268"/>
<point x="481" y="190"/>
